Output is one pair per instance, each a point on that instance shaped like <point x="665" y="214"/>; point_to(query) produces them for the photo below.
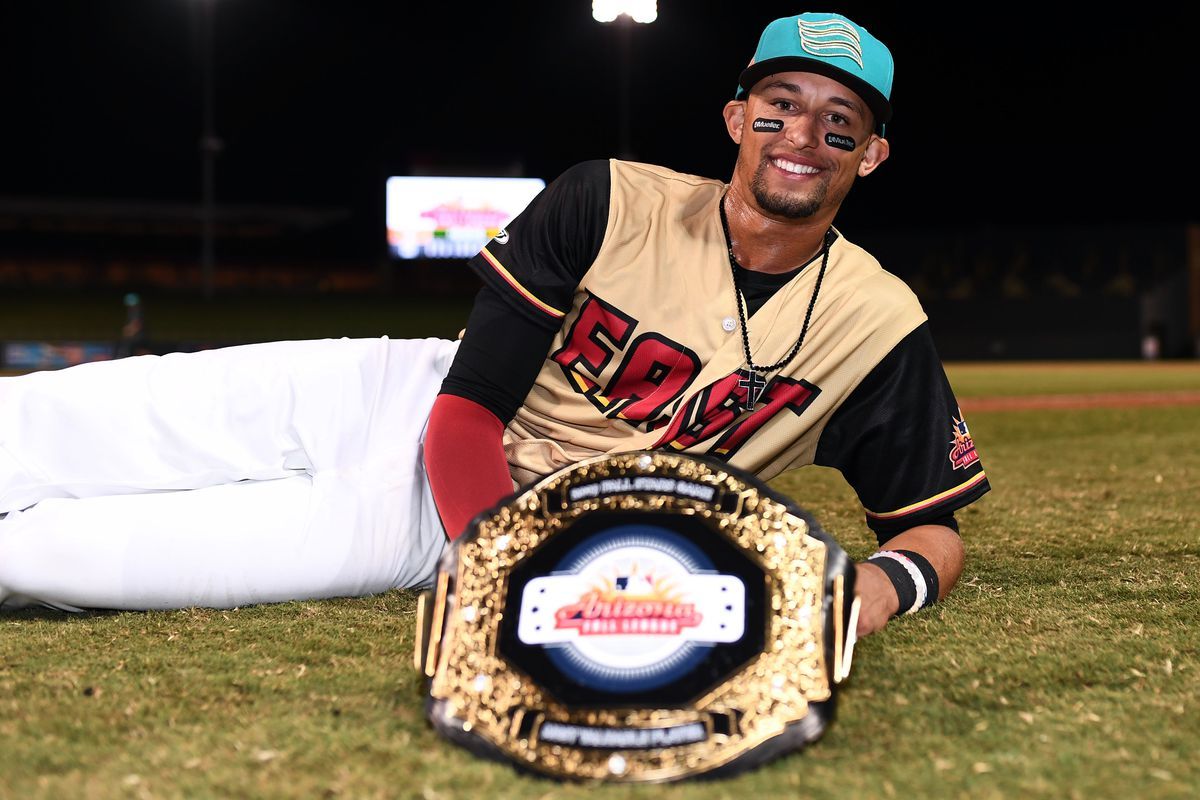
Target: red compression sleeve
<point x="465" y="461"/>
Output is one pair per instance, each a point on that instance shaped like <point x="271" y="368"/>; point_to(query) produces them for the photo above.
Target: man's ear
<point x="735" y="117"/>
<point x="876" y="152"/>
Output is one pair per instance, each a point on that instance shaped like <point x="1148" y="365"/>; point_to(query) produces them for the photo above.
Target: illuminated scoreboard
<point x="451" y="217"/>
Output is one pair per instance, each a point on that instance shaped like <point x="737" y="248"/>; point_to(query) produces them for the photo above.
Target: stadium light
<point x="624" y="13"/>
<point x="645" y="11"/>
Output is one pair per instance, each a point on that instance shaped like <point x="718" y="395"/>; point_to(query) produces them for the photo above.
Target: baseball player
<point x="628" y="307"/>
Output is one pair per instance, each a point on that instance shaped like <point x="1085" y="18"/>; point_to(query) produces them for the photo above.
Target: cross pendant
<point x="754" y="384"/>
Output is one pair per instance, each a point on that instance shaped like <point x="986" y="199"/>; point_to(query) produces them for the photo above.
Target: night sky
<point x="1003" y="113"/>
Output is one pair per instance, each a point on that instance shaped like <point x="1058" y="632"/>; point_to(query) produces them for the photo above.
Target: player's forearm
<point x="464" y="459"/>
<point x="940" y="546"/>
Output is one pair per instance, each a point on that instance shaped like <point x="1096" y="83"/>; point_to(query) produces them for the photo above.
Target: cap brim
<point x="879" y="105"/>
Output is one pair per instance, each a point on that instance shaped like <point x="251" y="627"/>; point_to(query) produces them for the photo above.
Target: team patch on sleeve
<point x="962" y="446"/>
<point x="516" y="285"/>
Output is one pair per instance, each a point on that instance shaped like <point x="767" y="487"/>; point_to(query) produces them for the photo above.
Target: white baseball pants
<point x="249" y="474"/>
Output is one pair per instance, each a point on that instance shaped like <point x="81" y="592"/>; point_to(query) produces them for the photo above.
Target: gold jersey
<point x="649" y="351"/>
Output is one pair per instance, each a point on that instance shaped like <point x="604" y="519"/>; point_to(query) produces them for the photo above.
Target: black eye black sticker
<point x="764" y="125"/>
<point x="840" y="142"/>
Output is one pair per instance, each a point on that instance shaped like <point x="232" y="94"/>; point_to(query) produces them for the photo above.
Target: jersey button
<point x="729" y="324"/>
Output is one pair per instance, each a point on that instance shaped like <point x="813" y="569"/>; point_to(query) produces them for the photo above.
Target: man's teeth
<point x="799" y="169"/>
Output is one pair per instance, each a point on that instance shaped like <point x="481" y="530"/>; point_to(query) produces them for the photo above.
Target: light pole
<point x="210" y="146"/>
<point x="624" y="13"/>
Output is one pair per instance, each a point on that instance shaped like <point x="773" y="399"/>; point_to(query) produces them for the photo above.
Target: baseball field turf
<point x="1065" y="665"/>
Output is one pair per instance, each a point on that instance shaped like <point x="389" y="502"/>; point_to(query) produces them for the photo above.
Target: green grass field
<point x="1065" y="665"/>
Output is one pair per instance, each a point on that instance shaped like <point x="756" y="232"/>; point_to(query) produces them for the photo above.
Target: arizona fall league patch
<point x="962" y="446"/>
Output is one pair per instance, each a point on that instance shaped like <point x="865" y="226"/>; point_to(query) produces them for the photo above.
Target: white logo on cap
<point x="831" y="38"/>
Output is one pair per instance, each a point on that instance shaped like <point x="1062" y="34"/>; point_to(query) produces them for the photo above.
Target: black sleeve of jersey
<point x="901" y="442"/>
<point x="499" y="356"/>
<point x="537" y="261"/>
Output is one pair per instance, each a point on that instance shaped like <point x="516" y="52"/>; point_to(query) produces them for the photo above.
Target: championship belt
<point x="638" y="617"/>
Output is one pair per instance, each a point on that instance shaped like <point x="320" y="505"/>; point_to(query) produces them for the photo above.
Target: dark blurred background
<point x="1040" y="197"/>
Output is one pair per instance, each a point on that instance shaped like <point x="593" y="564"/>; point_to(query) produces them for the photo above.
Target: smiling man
<point x="652" y="309"/>
<point x="629" y="307"/>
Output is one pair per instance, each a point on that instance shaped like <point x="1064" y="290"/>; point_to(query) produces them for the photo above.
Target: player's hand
<point x="878" y="596"/>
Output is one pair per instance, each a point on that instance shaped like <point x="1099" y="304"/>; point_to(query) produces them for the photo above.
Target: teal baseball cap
<point x="826" y="44"/>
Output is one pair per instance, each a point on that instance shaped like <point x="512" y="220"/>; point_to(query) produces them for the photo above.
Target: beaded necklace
<point x="753" y="380"/>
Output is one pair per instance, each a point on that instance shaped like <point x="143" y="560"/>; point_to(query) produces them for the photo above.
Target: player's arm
<point x="879" y="587"/>
<point x="497" y="361"/>
<point x="902" y="444"/>
<point x="529" y="277"/>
